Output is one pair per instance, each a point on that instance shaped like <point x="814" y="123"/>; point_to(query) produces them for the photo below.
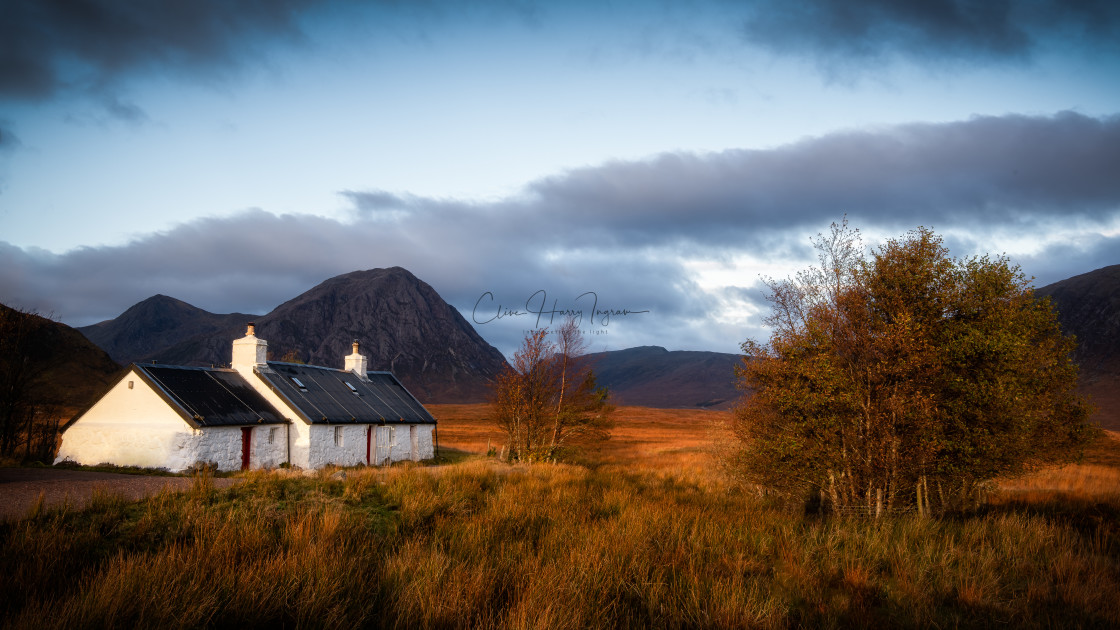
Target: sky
<point x="647" y="164"/>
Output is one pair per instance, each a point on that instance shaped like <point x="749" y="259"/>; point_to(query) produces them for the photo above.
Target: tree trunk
<point x="918" y="491"/>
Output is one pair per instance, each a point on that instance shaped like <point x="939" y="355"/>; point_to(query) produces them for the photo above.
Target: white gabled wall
<point x="135" y="426"/>
<point x="129" y="427"/>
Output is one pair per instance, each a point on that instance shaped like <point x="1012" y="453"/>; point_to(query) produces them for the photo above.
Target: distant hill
<point x="149" y="328"/>
<point x="71" y="371"/>
<point x="651" y="376"/>
<point x="1088" y="306"/>
<point x="403" y="325"/>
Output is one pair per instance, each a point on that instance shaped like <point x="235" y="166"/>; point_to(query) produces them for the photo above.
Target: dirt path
<point x="20" y="487"/>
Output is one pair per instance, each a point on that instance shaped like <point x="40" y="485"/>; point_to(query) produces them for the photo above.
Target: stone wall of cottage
<point x="133" y="426"/>
<point x="346" y="444"/>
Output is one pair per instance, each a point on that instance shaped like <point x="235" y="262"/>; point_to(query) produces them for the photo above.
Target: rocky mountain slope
<point x="1088" y="307"/>
<point x="651" y="376"/>
<point x="403" y="325"/>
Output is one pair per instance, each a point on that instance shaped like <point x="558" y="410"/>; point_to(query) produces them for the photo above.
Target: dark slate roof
<point x="324" y="395"/>
<point x="208" y="397"/>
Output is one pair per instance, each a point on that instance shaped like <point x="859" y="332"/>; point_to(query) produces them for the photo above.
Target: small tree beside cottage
<point x="547" y="401"/>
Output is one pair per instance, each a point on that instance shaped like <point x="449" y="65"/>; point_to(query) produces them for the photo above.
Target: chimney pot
<point x="357" y="363"/>
<point x="249" y="351"/>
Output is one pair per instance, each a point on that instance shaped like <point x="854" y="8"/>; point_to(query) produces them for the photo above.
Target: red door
<point x="246" y="440"/>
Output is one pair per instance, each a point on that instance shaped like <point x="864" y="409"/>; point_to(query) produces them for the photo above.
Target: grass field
<point x="642" y="533"/>
<point x="649" y="439"/>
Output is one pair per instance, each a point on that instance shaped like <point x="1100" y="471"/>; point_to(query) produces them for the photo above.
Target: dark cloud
<point x="49" y="45"/>
<point x="620" y="230"/>
<point x="988" y="170"/>
<point x="928" y="31"/>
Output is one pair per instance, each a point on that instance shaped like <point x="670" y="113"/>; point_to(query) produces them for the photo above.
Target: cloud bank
<point x="838" y="34"/>
<point x="635" y="232"/>
<point x="47" y="46"/>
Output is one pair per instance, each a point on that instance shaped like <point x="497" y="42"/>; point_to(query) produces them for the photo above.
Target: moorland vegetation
<point x="642" y="533"/>
<point x="905" y="379"/>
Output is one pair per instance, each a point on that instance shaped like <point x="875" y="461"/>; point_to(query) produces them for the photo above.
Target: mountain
<point x="651" y="376"/>
<point x="69" y="370"/>
<point x="1088" y="307"/>
<point x="403" y="325"/>
<point x="148" y="329"/>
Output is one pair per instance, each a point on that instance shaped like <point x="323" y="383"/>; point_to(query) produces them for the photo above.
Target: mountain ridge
<point x="401" y="322"/>
<point x="404" y="326"/>
<point x="150" y="326"/>
<point x="651" y="376"/>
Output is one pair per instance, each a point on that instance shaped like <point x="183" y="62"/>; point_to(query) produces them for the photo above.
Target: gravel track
<point x="20" y="487"/>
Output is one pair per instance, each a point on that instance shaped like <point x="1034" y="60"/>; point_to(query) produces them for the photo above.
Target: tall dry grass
<point x="482" y="544"/>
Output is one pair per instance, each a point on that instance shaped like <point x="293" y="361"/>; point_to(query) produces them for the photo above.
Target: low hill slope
<point x="1088" y="307"/>
<point x="66" y="369"/>
<point x="651" y="376"/>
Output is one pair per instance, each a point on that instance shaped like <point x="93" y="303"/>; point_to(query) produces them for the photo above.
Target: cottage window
<point x="392" y="436"/>
<point x="338" y="436"/>
<point x="272" y="436"/>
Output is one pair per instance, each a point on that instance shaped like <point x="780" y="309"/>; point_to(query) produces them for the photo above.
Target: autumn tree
<point x="547" y="401"/>
<point x="904" y="379"/>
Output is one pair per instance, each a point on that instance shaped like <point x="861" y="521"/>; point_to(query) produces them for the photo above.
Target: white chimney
<point x="249" y="352"/>
<point x="357" y="363"/>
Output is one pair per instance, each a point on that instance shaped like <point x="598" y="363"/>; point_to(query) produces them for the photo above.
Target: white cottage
<point x="254" y="414"/>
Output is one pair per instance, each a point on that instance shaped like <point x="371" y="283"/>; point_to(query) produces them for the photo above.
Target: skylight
<point x="352" y="388"/>
<point x="298" y="383"/>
